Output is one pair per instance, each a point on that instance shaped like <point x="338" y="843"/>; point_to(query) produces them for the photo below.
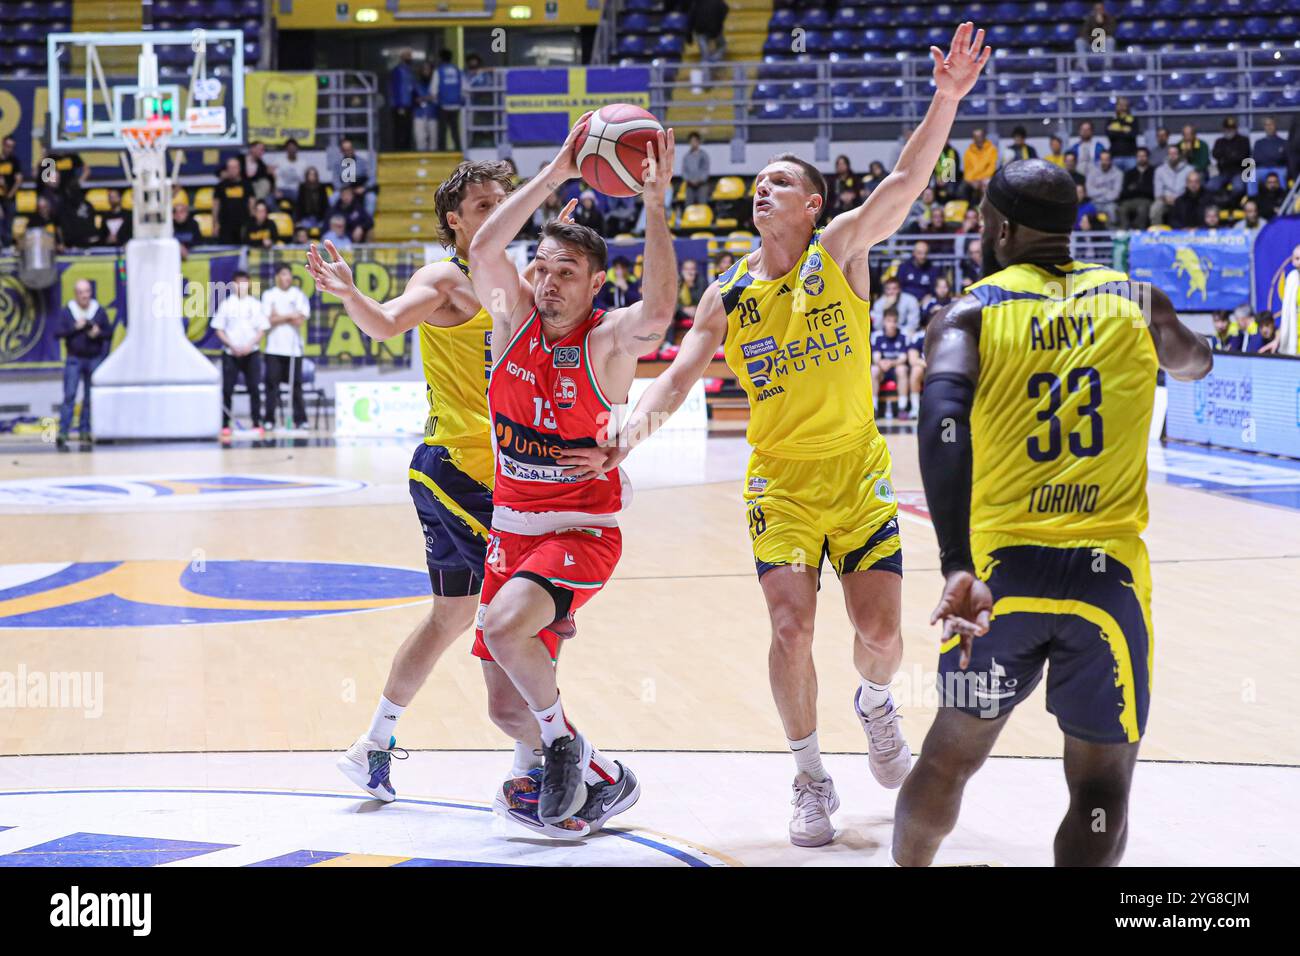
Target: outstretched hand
<point x="657" y="167"/>
<point x="335" y="276"/>
<point x="956" y="73"/>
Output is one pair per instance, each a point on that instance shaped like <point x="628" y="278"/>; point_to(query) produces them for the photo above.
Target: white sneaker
<point x="366" y="764"/>
<point x="888" y="755"/>
<point x="516" y="801"/>
<point x="814" y="802"/>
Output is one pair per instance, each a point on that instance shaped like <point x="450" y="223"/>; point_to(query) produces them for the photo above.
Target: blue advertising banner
<point x="543" y="105"/>
<point x="1199" y="269"/>
<point x="1250" y="402"/>
<point x="1272" y="255"/>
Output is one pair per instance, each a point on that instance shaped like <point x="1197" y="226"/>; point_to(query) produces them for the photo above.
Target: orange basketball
<point x="611" y="147"/>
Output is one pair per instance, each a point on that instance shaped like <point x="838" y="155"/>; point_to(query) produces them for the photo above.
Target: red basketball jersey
<point x="544" y="398"/>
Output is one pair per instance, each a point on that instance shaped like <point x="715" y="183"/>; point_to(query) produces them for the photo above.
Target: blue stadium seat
<point x="1224" y="28"/>
<point x="1200" y="8"/>
<point x="783" y="20"/>
<point x="1288" y="26"/>
<point x="1179" y="81"/>
<point x="645" y="6"/>
<point x="632" y="44"/>
<point x="1006" y="12"/>
<point x="772" y="110"/>
<point x="1289" y="98"/>
<point x="1267" y="6"/>
<point x="815" y="19"/>
<point x="1169" y="8"/>
<point x="251" y="8"/>
<point x="59" y="9"/>
<point x="1000" y="34"/>
<point x="1263" y="99"/>
<point x="1013" y="104"/>
<point x="847" y="40"/>
<point x="1190" y="30"/>
<point x="1064" y="33"/>
<point x="906" y="38"/>
<point x="873" y="38"/>
<point x="977" y="13"/>
<point x="881" y="108"/>
<point x="1018" y="64"/>
<point x="1082" y="83"/>
<point x="635" y="23"/>
<point x="850" y="18"/>
<point x="818" y="42"/>
<point x="1257" y="28"/>
<point x="1131" y="31"/>
<point x="843" y="89"/>
<point x="1189" y="100"/>
<point x="27" y="31"/>
<point x="1212" y="79"/>
<point x="777" y="43"/>
<point x="1042" y="84"/>
<point x="1137" y="10"/>
<point x="938" y="36"/>
<point x="847" y="66"/>
<point x="843" y="109"/>
<point x="1235" y="8"/>
<point x="975" y="106"/>
<point x="1086" y="104"/>
<point x="764" y="92"/>
<point x="1225" y="99"/>
<point x="676" y="23"/>
<point x="26" y="55"/>
<point x="1034" y="34"/>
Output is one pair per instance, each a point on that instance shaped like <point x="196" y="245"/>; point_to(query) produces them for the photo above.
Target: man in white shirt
<point x="240" y="324"/>
<point x="906" y="304"/>
<point x="289" y="171"/>
<point x="286" y="309"/>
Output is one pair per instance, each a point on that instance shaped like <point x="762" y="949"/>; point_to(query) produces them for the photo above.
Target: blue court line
<point x="106" y="849"/>
<point x="621" y="834"/>
<point x="299" y="858"/>
<point x="1285" y="497"/>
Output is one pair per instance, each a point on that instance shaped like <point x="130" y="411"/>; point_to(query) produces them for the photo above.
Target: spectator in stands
<point x="1019" y="149"/>
<point x="970" y="225"/>
<point x="1189" y="208"/>
<point x="690" y="288"/>
<point x="947" y="174"/>
<point x="289" y="173"/>
<point x="1194" y="150"/>
<point x="588" y="213"/>
<point x="936" y="230"/>
<point x="240" y="323"/>
<point x="115" y="225"/>
<point x="1086" y="218"/>
<point x="1054" y="152"/>
<point x="889" y="359"/>
<point x="981" y="163"/>
<point x="549" y="210"/>
<point x="72" y="175"/>
<point x="1105" y="183"/>
<point x="301" y="236"/>
<point x="1223" y="337"/>
<point x="1072" y="167"/>
<point x="337" y="232"/>
<point x="256" y="172"/>
<point x="1250" y="221"/>
<point x="845" y="178"/>
<point x="1269" y="151"/>
<point x="1270" y="196"/>
<point x="1096" y="34"/>
<point x="1211" y="220"/>
<point x="1267" y="332"/>
<point x="705" y="21"/>
<point x="351" y="169"/>
<point x="403" y="86"/>
<point x="261" y="232"/>
<point x="1231" y="155"/>
<point x="904" y="305"/>
<point x="44" y="217"/>
<point x="230" y="210"/>
<point x="313" y="202"/>
<point x="939" y="298"/>
<point x="620" y="288"/>
<point x="184" y="228"/>
<point x="11" y="178"/>
<point x="1162" y="142"/>
<point x="1087" y="151"/>
<point x="353" y="211"/>
<point x="621" y="215"/>
<point x="1169" y="181"/>
<point x="918" y="273"/>
<point x="972" y="263"/>
<point x="875" y="175"/>
<point x="695" y="170"/>
<point x="1138" y="193"/>
<point x="1246" y="337"/>
<point x="1121" y="131"/>
<point x="919" y="214"/>
<point x="424" y="114"/>
<point x="846" y="200"/>
<point x="722" y="263"/>
<point x="76" y="218"/>
<point x="450" y="96"/>
<point x="83" y="325"/>
<point x="286" y="310"/>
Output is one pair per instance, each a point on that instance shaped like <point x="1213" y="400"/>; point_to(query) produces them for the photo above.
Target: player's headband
<point x="1044" y="215"/>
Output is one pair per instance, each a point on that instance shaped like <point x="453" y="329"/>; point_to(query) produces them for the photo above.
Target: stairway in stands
<point x="745" y="31"/>
<point x="407" y="184"/>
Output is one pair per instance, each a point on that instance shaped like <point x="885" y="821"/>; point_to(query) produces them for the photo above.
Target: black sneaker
<point x="563" y="792"/>
<point x="606" y="799"/>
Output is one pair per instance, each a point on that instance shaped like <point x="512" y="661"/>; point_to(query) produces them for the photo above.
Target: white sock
<point x="384" y="723"/>
<point x="526" y="759"/>
<point x="601" y="769"/>
<point x="913" y="401"/>
<point x="552" y="723"/>
<point x="873" y="695"/>
<point x="808" y="757"/>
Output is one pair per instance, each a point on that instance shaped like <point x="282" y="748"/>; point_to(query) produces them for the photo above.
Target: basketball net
<point x="151" y="187"/>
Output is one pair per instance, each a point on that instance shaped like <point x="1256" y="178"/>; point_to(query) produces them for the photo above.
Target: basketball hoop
<point x="152" y="189"/>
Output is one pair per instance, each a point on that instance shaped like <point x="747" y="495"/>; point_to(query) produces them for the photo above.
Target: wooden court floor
<point x="672" y="656"/>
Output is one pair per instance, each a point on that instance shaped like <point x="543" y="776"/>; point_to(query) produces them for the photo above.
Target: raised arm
<point x="426" y="298"/>
<point x="1182" y="353"/>
<point x="638" y="327"/>
<point x="852" y="233"/>
<point x="665" y="394"/>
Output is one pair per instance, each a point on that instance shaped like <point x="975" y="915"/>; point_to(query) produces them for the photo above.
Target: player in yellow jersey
<point x="797" y="326"/>
<point x="450" y="473"/>
<point x="1033" y="438"/>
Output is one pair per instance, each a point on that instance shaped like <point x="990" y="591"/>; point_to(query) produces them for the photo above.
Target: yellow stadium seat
<point x="739" y="242"/>
<point x="26" y="200"/>
<point x="1238" y="214"/>
<point x="20" y="227"/>
<point x="128" y="198"/>
<point x="204" y="221"/>
<point x="203" y="199"/>
<point x="283" y="224"/>
<point x="98" y="199"/>
<point x="625" y="237"/>
<point x="702" y="235"/>
<point x="728" y="188"/>
<point x="1157" y="228"/>
<point x="680" y="195"/>
<point x="178" y="196"/>
<point x="697" y="216"/>
<point x="955" y="210"/>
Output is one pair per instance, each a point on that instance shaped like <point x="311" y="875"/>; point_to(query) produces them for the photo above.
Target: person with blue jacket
<point x="450" y="97"/>
<point x="84" y="326"/>
<point x="403" y="91"/>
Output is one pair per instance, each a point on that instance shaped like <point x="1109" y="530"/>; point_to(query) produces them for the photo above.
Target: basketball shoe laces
<point x="811" y="801"/>
<point x="882" y="732"/>
<point x="380" y="761"/>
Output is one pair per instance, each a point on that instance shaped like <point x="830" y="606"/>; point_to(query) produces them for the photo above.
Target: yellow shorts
<point x="842" y="506"/>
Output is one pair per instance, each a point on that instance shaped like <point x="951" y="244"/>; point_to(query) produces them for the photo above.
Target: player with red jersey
<point x="560" y="366"/>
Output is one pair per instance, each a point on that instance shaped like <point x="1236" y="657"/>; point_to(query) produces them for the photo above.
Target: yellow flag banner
<point x="281" y="106"/>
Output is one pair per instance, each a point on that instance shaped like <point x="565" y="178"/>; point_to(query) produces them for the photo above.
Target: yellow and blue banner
<point x="1199" y="269"/>
<point x="543" y="105"/>
<point x="281" y="106"/>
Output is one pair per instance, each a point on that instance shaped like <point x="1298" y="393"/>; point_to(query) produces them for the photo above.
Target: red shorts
<point x="575" y="562"/>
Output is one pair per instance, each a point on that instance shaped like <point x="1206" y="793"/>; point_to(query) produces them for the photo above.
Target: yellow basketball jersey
<point x="1063" y="408"/>
<point x="801" y="347"/>
<point x="457" y="361"/>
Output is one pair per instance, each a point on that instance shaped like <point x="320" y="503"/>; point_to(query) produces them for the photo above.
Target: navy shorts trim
<point x="450" y="504"/>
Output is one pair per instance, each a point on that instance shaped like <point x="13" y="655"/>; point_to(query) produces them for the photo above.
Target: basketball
<point x="611" y="146"/>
